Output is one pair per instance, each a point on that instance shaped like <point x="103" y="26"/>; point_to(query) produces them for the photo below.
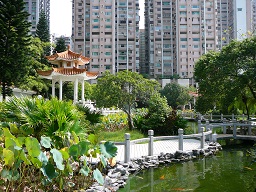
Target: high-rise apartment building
<point x="177" y="34"/>
<point x="107" y="31"/>
<point x="236" y="20"/>
<point x="34" y="7"/>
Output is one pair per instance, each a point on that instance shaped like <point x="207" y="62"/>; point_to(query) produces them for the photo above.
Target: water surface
<point x="231" y="170"/>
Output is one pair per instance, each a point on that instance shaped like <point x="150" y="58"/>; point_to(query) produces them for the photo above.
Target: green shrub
<point x="114" y="121"/>
<point x="63" y="169"/>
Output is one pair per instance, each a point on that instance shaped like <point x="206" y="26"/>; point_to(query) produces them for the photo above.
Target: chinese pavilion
<point x="67" y="69"/>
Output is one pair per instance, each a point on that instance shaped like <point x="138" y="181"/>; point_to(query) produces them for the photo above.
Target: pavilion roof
<point x="67" y="72"/>
<point x="68" y="55"/>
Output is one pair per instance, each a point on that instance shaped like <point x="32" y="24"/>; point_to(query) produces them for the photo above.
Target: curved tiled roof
<point x="69" y="56"/>
<point x="67" y="71"/>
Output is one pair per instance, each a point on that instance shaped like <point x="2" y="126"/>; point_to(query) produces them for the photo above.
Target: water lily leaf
<point x="98" y="176"/>
<point x="24" y="158"/>
<point x="8" y="157"/>
<point x="73" y="150"/>
<point x="20" y="141"/>
<point x="64" y="152"/>
<point x="49" y="171"/>
<point x="108" y="149"/>
<point x="13" y="128"/>
<point x="103" y="160"/>
<point x="36" y="162"/>
<point x="46" y="142"/>
<point x="7" y="133"/>
<point x="9" y="142"/>
<point x="32" y="146"/>
<point x="57" y="157"/>
<point x="11" y="175"/>
<point x="85" y="171"/>
<point x="83" y="147"/>
<point x="93" y="139"/>
<point x="43" y="158"/>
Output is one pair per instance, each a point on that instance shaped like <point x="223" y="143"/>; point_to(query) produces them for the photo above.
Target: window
<point x="107" y="13"/>
<point x="183" y="13"/>
<point x="95" y="66"/>
<point x="195" y="12"/>
<point x="108" y="26"/>
<point x="95" y="27"/>
<point x="107" y="66"/>
<point x="108" y="46"/>
<point x="196" y="39"/>
<point x="195" y="6"/>
<point x="183" y="39"/>
<point x="183" y="46"/>
<point x="108" y="7"/>
<point x="239" y="9"/>
<point x="195" y="46"/>
<point x="95" y="7"/>
<point x="95" y="53"/>
<point x="183" y="6"/>
<point x="108" y="53"/>
<point x="95" y="46"/>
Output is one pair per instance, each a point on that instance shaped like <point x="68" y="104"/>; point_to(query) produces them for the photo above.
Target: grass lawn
<point x="118" y="136"/>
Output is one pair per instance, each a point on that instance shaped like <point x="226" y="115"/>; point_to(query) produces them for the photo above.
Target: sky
<point x="61" y="17"/>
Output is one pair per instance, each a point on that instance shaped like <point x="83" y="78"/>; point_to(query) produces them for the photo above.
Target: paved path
<point x="165" y="146"/>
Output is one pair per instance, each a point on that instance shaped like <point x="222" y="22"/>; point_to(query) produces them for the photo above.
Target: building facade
<point x="177" y="34"/>
<point x="34" y="7"/>
<point x="107" y="31"/>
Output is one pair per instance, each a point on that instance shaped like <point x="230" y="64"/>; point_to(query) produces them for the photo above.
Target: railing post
<point x="180" y="131"/>
<point x="233" y="117"/>
<point x="211" y="116"/>
<point x="150" y="143"/>
<point x="202" y="138"/>
<point x="242" y="117"/>
<point x="199" y="125"/>
<point x="234" y="129"/>
<point x="249" y="129"/>
<point x="210" y="136"/>
<point x="224" y="126"/>
<point x="127" y="149"/>
<point x="214" y="137"/>
<point x="207" y="125"/>
<point x="221" y="117"/>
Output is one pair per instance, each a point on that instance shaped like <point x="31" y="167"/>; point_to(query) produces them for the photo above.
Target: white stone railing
<point x="150" y="141"/>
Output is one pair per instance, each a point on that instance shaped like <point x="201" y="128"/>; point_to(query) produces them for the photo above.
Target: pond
<point x="232" y="169"/>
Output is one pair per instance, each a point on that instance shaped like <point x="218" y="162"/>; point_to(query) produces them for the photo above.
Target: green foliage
<point x="42" y="28"/>
<point x="122" y="90"/>
<point x="39" y="117"/>
<point x="60" y="45"/>
<point x="28" y="153"/>
<point x="115" y="121"/>
<point x="227" y="76"/>
<point x="159" y="117"/>
<point x="175" y="94"/>
<point x="14" y="46"/>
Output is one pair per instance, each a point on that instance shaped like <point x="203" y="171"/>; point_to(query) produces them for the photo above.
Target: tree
<point x="122" y="90"/>
<point x="43" y="33"/>
<point x="175" y="94"/>
<point x="33" y="82"/>
<point x="14" y="43"/>
<point x="42" y="28"/>
<point x="60" y="45"/>
<point x="228" y="75"/>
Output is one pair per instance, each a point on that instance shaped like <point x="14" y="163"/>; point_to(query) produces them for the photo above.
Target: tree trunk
<point x="4" y="90"/>
<point x="130" y="122"/>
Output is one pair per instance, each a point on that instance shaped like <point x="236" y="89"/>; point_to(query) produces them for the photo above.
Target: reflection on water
<point x="233" y="169"/>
